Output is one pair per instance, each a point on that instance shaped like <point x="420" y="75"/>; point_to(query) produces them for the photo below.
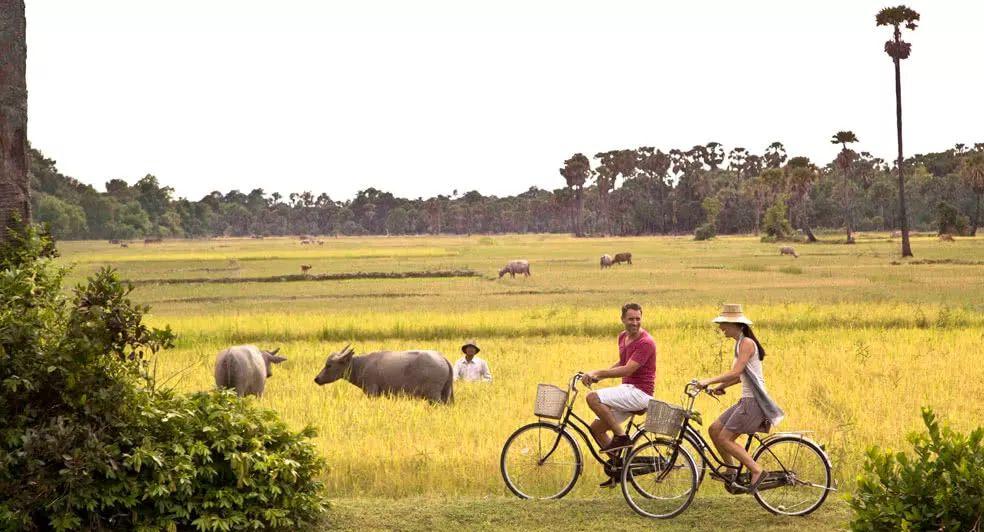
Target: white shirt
<point x="476" y="370"/>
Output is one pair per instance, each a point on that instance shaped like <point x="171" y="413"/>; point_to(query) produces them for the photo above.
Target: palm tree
<point x="898" y="50"/>
<point x="844" y="160"/>
<point x="612" y="164"/>
<point x="576" y="171"/>
<point x="972" y="170"/>
<point x="15" y="190"/>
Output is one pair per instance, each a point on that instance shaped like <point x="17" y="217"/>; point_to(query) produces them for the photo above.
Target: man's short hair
<point x="630" y="306"/>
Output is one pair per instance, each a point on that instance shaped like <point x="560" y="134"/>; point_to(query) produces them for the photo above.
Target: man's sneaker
<point x="618" y="442"/>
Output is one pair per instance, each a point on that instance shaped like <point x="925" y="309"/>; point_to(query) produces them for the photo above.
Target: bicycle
<point x="659" y="479"/>
<point x="543" y="460"/>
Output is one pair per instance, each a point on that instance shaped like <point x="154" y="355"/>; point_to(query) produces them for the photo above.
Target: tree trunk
<point x="977" y="217"/>
<point x="579" y="211"/>
<point x="904" y="222"/>
<point x="15" y="192"/>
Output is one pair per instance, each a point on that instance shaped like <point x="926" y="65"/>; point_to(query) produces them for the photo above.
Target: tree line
<point x="631" y="191"/>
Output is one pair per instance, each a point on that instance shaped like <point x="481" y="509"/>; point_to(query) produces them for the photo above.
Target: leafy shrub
<point x="705" y="232"/>
<point x="796" y="270"/>
<point x="775" y="223"/>
<point x="949" y="220"/>
<point x="88" y="442"/>
<point x="941" y="488"/>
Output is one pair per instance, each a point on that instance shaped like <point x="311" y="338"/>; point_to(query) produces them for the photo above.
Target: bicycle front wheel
<point x="798" y="476"/>
<point x="659" y="479"/>
<point x="540" y="461"/>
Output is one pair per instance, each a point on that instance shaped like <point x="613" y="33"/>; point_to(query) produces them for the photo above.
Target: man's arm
<point x="457" y="370"/>
<point x="486" y="372"/>
<point x="614" y="371"/>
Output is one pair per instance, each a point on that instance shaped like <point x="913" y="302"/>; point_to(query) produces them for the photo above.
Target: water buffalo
<point x="516" y="266"/>
<point x="946" y="237"/>
<point x="154" y="240"/>
<point x="245" y="368"/>
<point x="788" y="250"/>
<point x="623" y="257"/>
<point x="606" y="261"/>
<point x="424" y="374"/>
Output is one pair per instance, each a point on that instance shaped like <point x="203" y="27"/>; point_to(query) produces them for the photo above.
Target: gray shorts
<point x="745" y="417"/>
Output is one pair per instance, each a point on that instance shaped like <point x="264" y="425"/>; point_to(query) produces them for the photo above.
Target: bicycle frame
<point x="570" y="421"/>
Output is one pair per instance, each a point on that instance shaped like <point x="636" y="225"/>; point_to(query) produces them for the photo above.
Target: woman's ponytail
<point x="747" y="331"/>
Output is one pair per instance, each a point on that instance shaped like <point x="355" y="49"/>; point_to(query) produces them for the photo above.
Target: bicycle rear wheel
<point x="798" y="476"/>
<point x="540" y="461"/>
<point x="659" y="479"/>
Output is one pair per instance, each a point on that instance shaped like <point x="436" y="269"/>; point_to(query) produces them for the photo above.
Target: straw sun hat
<point x="731" y="313"/>
<point x="471" y="343"/>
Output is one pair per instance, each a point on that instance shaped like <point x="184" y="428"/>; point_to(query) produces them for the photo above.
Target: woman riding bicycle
<point x="755" y="411"/>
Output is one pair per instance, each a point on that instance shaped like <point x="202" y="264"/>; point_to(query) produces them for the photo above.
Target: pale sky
<point x="422" y="97"/>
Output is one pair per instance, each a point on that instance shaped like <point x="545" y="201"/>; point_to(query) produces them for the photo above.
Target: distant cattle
<point x="423" y="374"/>
<point x="154" y="240"/>
<point x="606" y="261"/>
<point x="946" y="237"/>
<point x="622" y="257"/>
<point x="124" y="245"/>
<point x="257" y="237"/>
<point x="305" y="268"/>
<point x="896" y="234"/>
<point x="305" y="242"/>
<point x="114" y="241"/>
<point x="321" y="242"/>
<point x="788" y="250"/>
<point x="245" y="368"/>
<point x="516" y="266"/>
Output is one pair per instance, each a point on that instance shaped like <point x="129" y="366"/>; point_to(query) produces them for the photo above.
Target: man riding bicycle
<point x="637" y="367"/>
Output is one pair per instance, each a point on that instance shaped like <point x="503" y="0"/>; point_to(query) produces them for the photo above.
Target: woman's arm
<point x="745" y="352"/>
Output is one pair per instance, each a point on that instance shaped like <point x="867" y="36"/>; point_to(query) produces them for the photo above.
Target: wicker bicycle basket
<point x="664" y="418"/>
<point x="550" y="401"/>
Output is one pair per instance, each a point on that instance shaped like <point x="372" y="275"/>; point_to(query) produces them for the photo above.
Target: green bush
<point x="775" y="223"/>
<point x="705" y="232"/>
<point x="941" y="488"/>
<point x="949" y="220"/>
<point x="87" y="441"/>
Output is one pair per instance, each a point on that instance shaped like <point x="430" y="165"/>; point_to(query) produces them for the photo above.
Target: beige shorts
<point x="623" y="399"/>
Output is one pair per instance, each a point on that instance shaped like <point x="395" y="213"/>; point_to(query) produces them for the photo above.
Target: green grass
<point x="602" y="513"/>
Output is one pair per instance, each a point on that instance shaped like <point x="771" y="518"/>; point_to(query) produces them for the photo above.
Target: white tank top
<point x="754" y="367"/>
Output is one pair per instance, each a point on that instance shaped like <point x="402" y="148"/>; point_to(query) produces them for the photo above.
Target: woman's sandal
<point x="753" y="487"/>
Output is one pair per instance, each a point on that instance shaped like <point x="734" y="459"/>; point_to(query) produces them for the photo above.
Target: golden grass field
<point x="858" y="340"/>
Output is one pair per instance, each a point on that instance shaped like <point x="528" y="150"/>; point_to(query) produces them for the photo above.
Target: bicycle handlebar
<point x="692" y="389"/>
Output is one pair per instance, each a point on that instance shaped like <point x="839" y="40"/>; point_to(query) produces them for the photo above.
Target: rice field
<point x="857" y="339"/>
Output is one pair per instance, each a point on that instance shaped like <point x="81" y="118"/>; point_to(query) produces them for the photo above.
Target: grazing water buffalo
<point x="245" y="368"/>
<point x="516" y="266"/>
<point x="606" y="261"/>
<point x="946" y="237"/>
<point x="788" y="250"/>
<point x="623" y="257"/>
<point x="424" y="374"/>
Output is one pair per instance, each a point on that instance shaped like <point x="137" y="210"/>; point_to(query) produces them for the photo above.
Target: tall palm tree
<point x="612" y="164"/>
<point x="576" y="171"/>
<point x="844" y="160"/>
<point x="15" y="191"/>
<point x="899" y="50"/>
<point x="972" y="170"/>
